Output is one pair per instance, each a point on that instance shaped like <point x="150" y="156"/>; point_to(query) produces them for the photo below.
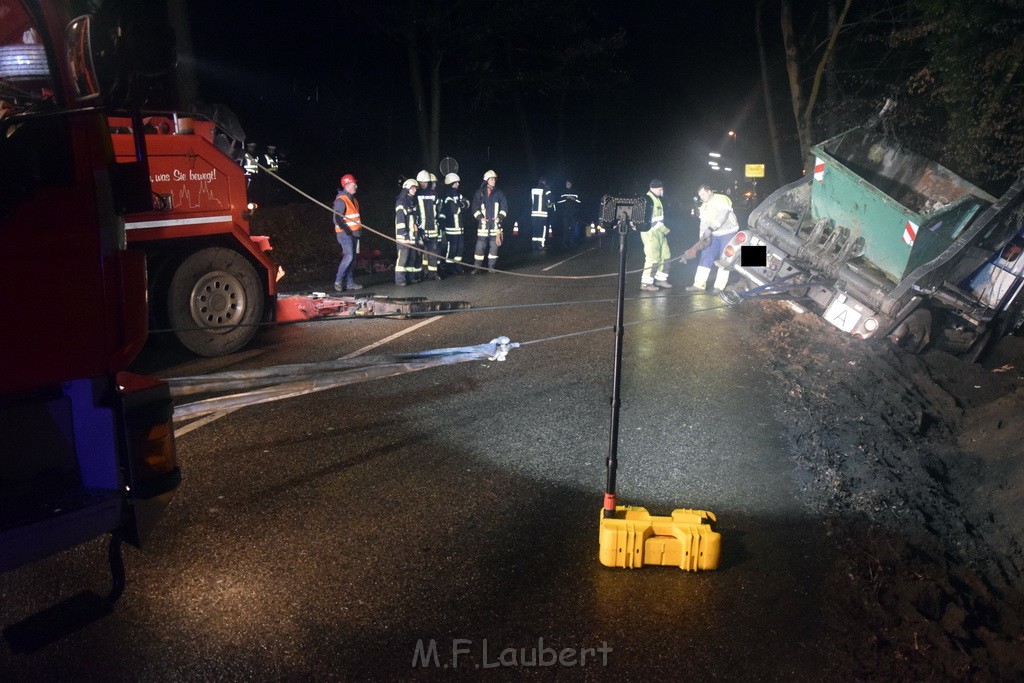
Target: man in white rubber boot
<point x="717" y="222"/>
<point x="656" y="253"/>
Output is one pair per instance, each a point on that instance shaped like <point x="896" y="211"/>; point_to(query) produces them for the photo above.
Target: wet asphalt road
<point x="325" y="536"/>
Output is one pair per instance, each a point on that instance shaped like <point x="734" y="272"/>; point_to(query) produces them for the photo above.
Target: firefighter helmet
<point x="347" y="178"/>
<point x="489" y="175"/>
<point x="408" y="184"/>
<point x="423" y="177"/>
<point x="433" y="178"/>
<point x="451" y="178"/>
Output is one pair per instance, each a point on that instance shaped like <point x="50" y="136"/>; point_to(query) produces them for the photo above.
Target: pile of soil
<point x="913" y="463"/>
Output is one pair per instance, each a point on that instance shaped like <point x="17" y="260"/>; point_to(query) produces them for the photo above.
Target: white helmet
<point x="423" y="177"/>
<point x="433" y="178"/>
<point x="489" y="175"/>
<point x="408" y="183"/>
<point x="451" y="178"/>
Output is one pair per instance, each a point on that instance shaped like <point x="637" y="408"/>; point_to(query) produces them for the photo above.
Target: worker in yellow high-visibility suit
<point x="656" y="252"/>
<point x="717" y="222"/>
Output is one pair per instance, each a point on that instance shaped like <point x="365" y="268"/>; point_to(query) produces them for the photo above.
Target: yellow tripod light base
<point x="633" y="538"/>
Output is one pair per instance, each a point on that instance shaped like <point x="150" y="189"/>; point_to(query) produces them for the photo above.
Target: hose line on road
<point x="263" y="385"/>
<point x="288" y="381"/>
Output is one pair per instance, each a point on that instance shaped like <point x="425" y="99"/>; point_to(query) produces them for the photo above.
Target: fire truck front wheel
<point x="215" y="301"/>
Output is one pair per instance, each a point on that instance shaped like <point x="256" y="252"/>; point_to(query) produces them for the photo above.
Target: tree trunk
<point x="803" y="111"/>
<point x="820" y="72"/>
<point x="435" y="106"/>
<point x="187" y="85"/>
<point x="773" y="131"/>
<point x="517" y="99"/>
<point x="795" y="94"/>
<point x="415" y="76"/>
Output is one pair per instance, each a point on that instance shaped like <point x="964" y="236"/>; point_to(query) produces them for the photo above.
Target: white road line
<point x="182" y="431"/>
<point x="203" y="421"/>
<point x="385" y="340"/>
<point x="544" y="270"/>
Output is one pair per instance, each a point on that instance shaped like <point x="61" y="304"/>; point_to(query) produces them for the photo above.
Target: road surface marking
<point x="385" y="340"/>
<point x="182" y="431"/>
<point x="544" y="270"/>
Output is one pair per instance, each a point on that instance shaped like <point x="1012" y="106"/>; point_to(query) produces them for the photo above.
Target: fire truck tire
<point x="215" y="301"/>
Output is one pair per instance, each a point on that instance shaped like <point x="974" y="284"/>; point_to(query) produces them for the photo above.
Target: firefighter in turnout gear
<point x="270" y="160"/>
<point x="656" y="252"/>
<point x="250" y="162"/>
<point x="426" y="201"/>
<point x="717" y="222"/>
<point x="347" y="228"/>
<point x="405" y="234"/>
<point x="452" y="208"/>
<point x="568" y="212"/>
<point x="490" y="208"/>
<point x="540" y="206"/>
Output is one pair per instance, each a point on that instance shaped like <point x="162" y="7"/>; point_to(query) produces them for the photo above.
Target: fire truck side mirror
<point x="78" y="41"/>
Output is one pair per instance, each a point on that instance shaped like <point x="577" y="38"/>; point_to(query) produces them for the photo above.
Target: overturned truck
<point x="883" y="242"/>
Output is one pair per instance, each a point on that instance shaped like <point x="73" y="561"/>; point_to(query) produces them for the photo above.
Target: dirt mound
<point x="909" y="462"/>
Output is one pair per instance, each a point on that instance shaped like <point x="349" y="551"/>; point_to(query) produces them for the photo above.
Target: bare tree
<point x="803" y="109"/>
<point x="773" y="130"/>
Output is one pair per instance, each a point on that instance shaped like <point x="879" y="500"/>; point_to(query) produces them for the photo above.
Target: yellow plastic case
<point x="633" y="538"/>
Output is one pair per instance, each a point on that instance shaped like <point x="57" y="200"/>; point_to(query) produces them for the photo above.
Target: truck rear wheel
<point x="215" y="301"/>
<point x="914" y="333"/>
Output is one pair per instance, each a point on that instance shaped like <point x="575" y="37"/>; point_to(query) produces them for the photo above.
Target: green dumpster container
<point x="907" y="208"/>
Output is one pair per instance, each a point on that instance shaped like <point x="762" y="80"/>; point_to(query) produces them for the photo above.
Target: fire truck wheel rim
<point x="218" y="300"/>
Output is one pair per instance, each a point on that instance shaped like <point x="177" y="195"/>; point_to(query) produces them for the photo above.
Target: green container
<point x="908" y="209"/>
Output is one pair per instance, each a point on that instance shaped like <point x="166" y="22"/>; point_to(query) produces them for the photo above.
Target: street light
<point x="714" y="155"/>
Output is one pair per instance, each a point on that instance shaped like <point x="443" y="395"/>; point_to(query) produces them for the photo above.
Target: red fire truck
<point x="88" y="448"/>
<point x="211" y="280"/>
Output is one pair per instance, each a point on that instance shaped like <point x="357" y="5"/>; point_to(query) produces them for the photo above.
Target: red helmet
<point x="347" y="178"/>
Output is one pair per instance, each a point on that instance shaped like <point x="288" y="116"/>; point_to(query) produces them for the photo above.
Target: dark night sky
<point x="334" y="93"/>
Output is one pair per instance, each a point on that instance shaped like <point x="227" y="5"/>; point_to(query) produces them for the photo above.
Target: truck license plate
<point x="842" y="316"/>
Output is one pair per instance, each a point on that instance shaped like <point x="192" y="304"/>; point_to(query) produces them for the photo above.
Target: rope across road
<point x="513" y="273"/>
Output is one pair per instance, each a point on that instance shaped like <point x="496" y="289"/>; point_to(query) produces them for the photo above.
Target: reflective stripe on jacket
<point x="489" y="208"/>
<point x="346" y="205"/>
<point x="540" y="200"/>
<point x="657" y="211"/>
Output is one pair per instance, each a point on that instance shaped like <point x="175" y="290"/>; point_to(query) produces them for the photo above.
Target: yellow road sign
<point x="754" y="171"/>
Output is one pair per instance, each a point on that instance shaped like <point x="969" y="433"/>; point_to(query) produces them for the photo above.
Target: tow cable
<point x="778" y="290"/>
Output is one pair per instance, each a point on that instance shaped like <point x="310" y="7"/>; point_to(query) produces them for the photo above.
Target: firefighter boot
<point x="700" y="280"/>
<point x="721" y="279"/>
